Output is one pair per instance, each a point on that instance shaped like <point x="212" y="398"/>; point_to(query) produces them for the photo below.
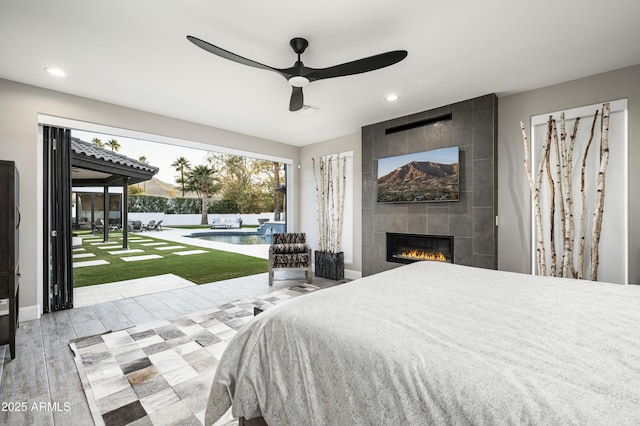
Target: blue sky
<point x="442" y="156"/>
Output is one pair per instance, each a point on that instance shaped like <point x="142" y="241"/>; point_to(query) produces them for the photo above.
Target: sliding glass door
<point x="58" y="280"/>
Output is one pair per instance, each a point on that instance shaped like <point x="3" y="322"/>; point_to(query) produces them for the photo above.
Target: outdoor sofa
<point x="226" y="222"/>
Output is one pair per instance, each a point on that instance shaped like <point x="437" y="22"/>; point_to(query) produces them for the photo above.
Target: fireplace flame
<point x="422" y="255"/>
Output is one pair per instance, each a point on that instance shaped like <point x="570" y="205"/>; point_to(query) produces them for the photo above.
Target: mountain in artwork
<point x="420" y="181"/>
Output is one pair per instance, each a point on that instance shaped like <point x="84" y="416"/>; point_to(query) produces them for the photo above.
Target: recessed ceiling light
<point x="55" y="71"/>
<point x="392" y="98"/>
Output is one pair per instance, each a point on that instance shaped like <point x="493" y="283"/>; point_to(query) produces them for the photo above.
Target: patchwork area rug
<point x="160" y="373"/>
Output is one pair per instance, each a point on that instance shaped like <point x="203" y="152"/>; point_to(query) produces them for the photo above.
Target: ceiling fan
<point x="298" y="75"/>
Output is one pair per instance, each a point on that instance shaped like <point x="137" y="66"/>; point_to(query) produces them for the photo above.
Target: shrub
<point x="146" y="203"/>
<point x="184" y="206"/>
<point x="222" y="207"/>
<point x="177" y="205"/>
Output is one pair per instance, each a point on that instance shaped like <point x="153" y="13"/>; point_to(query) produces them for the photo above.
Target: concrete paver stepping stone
<point x="138" y="258"/>
<point x="188" y="252"/>
<point x="90" y="263"/>
<point x="83" y="255"/>
<point x="126" y="251"/>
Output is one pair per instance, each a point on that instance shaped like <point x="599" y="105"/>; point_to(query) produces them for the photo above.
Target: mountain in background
<point x="158" y="188"/>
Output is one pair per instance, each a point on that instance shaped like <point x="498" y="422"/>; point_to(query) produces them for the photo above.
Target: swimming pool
<point x="244" y="238"/>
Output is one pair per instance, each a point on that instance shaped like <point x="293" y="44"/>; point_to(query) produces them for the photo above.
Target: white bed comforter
<point x="435" y="343"/>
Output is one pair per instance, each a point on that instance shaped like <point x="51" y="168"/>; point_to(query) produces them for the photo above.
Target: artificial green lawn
<point x="215" y="265"/>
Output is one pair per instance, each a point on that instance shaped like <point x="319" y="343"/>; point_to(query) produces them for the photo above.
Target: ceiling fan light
<point x="392" y="97"/>
<point x="298" y="81"/>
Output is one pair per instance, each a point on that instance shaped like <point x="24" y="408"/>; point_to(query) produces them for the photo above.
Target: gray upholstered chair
<point x="289" y="251"/>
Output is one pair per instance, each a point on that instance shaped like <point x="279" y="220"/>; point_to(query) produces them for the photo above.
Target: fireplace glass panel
<point x="409" y="248"/>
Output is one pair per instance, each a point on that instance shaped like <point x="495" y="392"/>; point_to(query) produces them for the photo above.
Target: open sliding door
<point x="58" y="280"/>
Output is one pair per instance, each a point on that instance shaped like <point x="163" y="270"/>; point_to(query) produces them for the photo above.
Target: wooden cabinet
<point x="9" y="249"/>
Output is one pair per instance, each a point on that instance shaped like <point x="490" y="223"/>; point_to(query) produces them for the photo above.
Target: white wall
<point x="307" y="201"/>
<point x="514" y="207"/>
<point x="194" y="219"/>
<point x="20" y="107"/>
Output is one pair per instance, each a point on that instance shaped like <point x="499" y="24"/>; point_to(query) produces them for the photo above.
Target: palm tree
<point x="114" y="145"/>
<point x="180" y="165"/>
<point x="98" y="142"/>
<point x="144" y="160"/>
<point x="201" y="179"/>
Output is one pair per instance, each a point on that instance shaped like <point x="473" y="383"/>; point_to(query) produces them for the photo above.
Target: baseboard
<point x="29" y="313"/>
<point x="352" y="275"/>
<point x="348" y="273"/>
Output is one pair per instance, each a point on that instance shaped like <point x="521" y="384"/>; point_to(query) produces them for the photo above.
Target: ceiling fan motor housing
<point x="299" y="45"/>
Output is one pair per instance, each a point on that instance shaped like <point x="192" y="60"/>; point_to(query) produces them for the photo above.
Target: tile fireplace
<point x="409" y="248"/>
<point x="473" y="127"/>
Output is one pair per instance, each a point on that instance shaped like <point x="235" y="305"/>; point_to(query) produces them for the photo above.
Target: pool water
<point x="235" y="238"/>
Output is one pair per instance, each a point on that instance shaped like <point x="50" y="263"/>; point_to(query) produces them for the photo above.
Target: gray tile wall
<point x="471" y="220"/>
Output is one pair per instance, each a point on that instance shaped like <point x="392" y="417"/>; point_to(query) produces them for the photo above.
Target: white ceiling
<point x="135" y="54"/>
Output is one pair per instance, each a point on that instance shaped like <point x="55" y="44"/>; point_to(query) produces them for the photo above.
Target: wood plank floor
<point x="41" y="385"/>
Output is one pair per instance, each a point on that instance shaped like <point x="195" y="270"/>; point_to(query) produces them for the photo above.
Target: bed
<point x="437" y="343"/>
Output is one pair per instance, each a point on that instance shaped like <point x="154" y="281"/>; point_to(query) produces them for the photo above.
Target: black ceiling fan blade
<point x="297" y="99"/>
<point x="229" y="55"/>
<point x="359" y="66"/>
<point x="298" y="75"/>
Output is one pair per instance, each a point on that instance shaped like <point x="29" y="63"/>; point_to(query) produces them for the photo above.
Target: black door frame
<point x="57" y="253"/>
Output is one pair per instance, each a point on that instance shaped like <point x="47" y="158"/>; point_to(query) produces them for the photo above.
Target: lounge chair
<point x="98" y="226"/>
<point x="149" y="225"/>
<point x="155" y="227"/>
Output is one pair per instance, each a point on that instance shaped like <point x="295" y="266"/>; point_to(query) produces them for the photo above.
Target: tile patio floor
<point x="91" y="295"/>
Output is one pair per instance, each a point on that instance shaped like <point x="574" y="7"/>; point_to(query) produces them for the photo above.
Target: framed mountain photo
<point x="429" y="176"/>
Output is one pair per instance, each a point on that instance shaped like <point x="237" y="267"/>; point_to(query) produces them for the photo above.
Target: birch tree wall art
<point x="579" y="200"/>
<point x="330" y="176"/>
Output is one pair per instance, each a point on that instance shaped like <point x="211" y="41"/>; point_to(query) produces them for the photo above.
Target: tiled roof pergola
<point x="95" y="166"/>
<point x="108" y="167"/>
